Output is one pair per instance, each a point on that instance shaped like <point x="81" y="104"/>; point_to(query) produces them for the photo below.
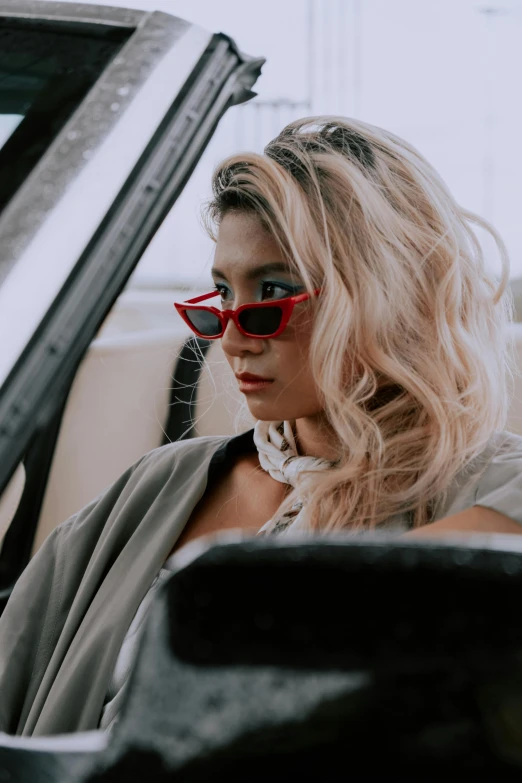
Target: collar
<point x="235" y="445"/>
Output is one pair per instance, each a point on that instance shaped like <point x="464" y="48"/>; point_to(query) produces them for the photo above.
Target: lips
<point x="249" y="383"/>
<point x="249" y="378"/>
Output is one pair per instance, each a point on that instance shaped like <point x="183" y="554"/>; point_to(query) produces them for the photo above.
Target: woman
<point x="380" y="341"/>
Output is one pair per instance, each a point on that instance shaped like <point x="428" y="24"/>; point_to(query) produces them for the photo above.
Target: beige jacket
<point x="65" y="622"/>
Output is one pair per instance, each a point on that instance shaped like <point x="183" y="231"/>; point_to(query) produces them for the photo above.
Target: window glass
<point x="45" y="72"/>
<point x="8" y="124"/>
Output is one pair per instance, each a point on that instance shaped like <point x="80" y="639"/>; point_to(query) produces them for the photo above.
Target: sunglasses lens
<point x="261" y="320"/>
<point x="205" y="322"/>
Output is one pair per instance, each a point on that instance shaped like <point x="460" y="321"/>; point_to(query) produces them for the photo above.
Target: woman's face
<point x="243" y="248"/>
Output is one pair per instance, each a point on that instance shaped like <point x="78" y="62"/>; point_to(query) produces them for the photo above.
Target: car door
<point x="104" y="113"/>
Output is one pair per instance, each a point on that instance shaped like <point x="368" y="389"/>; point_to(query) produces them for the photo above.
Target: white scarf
<point x="278" y="456"/>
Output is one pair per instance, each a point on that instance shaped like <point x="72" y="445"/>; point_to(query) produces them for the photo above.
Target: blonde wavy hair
<point x="411" y="349"/>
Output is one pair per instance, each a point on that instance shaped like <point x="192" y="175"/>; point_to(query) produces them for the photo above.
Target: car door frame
<point x="35" y="388"/>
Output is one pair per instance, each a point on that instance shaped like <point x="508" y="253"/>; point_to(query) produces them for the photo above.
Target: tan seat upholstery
<point x="116" y="412"/>
<point x="9" y="500"/>
<point x="119" y="403"/>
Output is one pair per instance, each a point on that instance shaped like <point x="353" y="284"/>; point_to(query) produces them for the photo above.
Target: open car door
<point x="104" y="113"/>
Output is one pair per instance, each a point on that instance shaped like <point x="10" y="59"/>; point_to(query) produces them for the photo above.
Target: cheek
<point x="288" y="358"/>
<point x="292" y="356"/>
<point x="299" y="333"/>
<point x="297" y="394"/>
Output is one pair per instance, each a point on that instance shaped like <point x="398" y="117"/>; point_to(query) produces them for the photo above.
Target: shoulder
<point x="501" y="463"/>
<point x="492" y="479"/>
<point x="160" y="474"/>
<point x="195" y="454"/>
<point x="506" y="441"/>
<point x="500" y="483"/>
<point x="503" y="442"/>
<point x="178" y="462"/>
<point x="503" y="449"/>
<point x="183" y="453"/>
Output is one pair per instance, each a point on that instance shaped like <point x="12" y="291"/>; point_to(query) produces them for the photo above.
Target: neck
<point x="314" y="438"/>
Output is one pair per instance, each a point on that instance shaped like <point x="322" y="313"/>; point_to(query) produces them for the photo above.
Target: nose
<point x="236" y="344"/>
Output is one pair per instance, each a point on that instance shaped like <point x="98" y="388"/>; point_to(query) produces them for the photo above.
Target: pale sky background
<point x="444" y="74"/>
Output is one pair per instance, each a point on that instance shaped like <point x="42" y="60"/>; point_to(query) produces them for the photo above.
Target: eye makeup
<point x="284" y="289"/>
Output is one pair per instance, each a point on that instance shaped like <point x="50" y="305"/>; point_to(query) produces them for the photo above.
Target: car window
<point x="45" y="73"/>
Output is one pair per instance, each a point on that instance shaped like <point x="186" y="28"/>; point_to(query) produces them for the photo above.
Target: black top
<point x="238" y="444"/>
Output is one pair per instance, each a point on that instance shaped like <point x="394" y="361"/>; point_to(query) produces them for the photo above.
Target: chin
<point x="265" y="412"/>
<point x="282" y="406"/>
<point x="257" y="412"/>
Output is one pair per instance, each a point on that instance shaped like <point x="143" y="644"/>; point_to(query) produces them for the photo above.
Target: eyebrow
<point x="258" y="271"/>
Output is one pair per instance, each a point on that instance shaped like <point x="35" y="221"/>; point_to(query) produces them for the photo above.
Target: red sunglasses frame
<point x="287" y="305"/>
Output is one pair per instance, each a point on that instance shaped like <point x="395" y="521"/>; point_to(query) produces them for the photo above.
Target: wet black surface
<point x="325" y="660"/>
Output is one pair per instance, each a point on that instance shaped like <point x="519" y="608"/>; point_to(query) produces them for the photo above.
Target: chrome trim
<point x="71" y="12"/>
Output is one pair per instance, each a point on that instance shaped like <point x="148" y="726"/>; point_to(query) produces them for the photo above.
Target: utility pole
<point x="357" y="57"/>
<point x="488" y="159"/>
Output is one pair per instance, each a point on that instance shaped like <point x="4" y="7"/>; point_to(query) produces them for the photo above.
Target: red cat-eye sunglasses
<point x="259" y="319"/>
